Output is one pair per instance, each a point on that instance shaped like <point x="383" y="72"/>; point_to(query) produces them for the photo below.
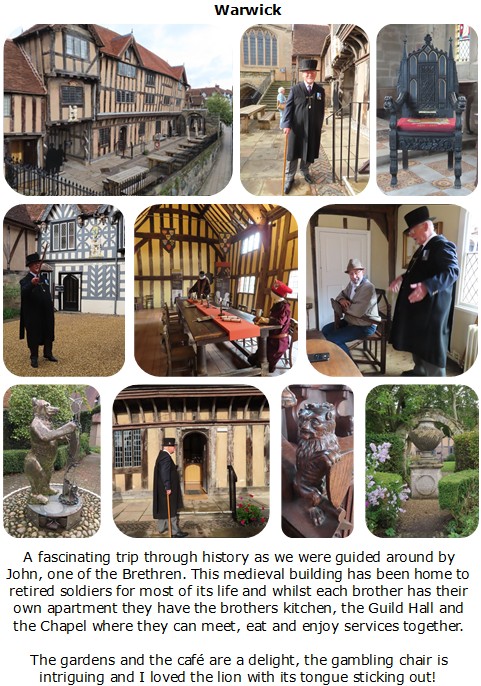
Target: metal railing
<point x="232" y="478"/>
<point x="31" y="180"/>
<point x="352" y="112"/>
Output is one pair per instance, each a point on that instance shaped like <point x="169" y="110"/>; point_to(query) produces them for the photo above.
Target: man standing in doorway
<point x="425" y="303"/>
<point x="167" y="496"/>
<point x="303" y="119"/>
<point x="36" y="311"/>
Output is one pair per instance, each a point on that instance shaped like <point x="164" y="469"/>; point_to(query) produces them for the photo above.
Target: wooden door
<point x="334" y="248"/>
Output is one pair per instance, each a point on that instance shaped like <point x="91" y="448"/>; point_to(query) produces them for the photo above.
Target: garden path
<point x="422" y="519"/>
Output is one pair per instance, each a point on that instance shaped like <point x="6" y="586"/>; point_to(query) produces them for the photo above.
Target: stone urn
<point x="426" y="437"/>
<point x="426" y="467"/>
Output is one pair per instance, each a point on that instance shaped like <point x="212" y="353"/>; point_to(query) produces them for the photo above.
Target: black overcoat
<point x="36" y="312"/>
<point x="166" y="477"/>
<point x="423" y="328"/>
<point x="304" y="115"/>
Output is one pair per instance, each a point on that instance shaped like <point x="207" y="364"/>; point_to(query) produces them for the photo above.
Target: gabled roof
<point x="113" y="44"/>
<point x="19" y="73"/>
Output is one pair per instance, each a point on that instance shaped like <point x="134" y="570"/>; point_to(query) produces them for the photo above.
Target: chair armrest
<point x="458" y="102"/>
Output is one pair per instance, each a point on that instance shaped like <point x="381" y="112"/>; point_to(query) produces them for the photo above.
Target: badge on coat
<point x="318" y="96"/>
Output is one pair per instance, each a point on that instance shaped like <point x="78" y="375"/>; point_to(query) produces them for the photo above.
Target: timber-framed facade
<point x="245" y="247"/>
<point x="216" y="428"/>
<point x="103" y="92"/>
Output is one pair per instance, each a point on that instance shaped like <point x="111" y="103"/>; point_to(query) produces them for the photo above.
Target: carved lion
<point x="317" y="451"/>
<point x="41" y="456"/>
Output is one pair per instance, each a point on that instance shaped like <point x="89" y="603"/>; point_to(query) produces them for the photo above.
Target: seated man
<point x="357" y="307"/>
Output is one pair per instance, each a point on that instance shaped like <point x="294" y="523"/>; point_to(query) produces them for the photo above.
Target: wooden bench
<point x="264" y="122"/>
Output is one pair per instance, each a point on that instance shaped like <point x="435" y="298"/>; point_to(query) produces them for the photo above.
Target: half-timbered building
<point x="221" y="434"/>
<point x="24" y="103"/>
<point x="83" y="249"/>
<point x="105" y="92"/>
<point x="242" y="249"/>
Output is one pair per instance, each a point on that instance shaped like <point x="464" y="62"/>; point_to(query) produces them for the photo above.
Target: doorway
<point x="334" y="249"/>
<point x="195" y="464"/>
<point x="71" y="292"/>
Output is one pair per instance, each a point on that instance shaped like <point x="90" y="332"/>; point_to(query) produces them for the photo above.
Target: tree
<point x="217" y="104"/>
<point x="388" y="407"/>
<point x="20" y="412"/>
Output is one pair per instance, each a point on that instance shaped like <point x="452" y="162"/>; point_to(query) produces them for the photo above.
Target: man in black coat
<point x="167" y="488"/>
<point x="36" y="311"/>
<point x="303" y="119"/>
<point x="425" y="304"/>
<point x="201" y="287"/>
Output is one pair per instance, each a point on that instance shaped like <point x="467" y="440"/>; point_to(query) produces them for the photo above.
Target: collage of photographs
<point x="316" y="244"/>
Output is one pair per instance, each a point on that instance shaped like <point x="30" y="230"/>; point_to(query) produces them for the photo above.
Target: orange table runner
<point x="235" y="330"/>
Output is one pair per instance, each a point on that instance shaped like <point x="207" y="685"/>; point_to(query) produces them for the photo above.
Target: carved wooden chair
<point x="427" y="113"/>
<point x="286" y="360"/>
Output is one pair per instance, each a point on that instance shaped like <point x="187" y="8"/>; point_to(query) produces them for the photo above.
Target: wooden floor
<point x="221" y="359"/>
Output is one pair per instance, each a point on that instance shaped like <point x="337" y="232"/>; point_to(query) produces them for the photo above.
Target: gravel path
<point x="423" y="519"/>
<point x="85" y="345"/>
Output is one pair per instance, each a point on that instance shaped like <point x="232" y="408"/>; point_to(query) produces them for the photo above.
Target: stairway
<point x="269" y="99"/>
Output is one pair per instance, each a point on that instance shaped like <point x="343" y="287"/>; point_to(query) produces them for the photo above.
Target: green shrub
<point x="84" y="444"/>
<point x="466" y="450"/>
<point x="448" y="467"/>
<point x="396" y="464"/>
<point x="459" y="493"/>
<point x="14" y="461"/>
<point x="385" y="495"/>
<point x="62" y="457"/>
<point x="10" y="313"/>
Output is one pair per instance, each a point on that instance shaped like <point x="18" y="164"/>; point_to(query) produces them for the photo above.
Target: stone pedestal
<point x="425" y="475"/>
<point x="55" y="515"/>
<point x="426" y="468"/>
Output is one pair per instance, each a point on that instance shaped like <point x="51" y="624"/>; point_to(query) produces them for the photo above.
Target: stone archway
<point x="195" y="460"/>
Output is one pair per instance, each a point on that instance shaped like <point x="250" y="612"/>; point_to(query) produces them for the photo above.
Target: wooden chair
<point x="373" y="349"/>
<point x="181" y="359"/>
<point x="427" y="112"/>
<point x="286" y="359"/>
<point x="148" y="302"/>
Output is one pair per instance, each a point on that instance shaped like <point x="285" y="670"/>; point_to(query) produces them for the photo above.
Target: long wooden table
<point x="205" y="332"/>
<point x="338" y="364"/>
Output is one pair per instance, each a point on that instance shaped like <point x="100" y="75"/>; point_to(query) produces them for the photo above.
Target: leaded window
<point x="128" y="70"/>
<point x="72" y="95"/>
<point x="76" y="46"/>
<point x="462" y="43"/>
<point x="63" y="235"/>
<point x="127" y="448"/>
<point x="468" y="282"/>
<point x="259" y="47"/>
<point x="247" y="284"/>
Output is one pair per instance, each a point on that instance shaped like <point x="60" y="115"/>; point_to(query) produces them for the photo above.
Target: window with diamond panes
<point x="468" y="287"/>
<point x="463" y="40"/>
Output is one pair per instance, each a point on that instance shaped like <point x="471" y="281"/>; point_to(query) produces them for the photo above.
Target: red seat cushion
<point x="427" y="124"/>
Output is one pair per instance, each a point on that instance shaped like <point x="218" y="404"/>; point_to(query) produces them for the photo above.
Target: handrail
<point x="232" y="478"/>
<point x="350" y="108"/>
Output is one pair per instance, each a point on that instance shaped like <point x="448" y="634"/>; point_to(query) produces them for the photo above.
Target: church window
<point x="259" y="47"/>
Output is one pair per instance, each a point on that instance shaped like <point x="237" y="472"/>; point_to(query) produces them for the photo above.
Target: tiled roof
<point x="308" y="39"/>
<point x="115" y="45"/>
<point x="19" y="74"/>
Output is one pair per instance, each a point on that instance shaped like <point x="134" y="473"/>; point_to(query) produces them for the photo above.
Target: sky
<point x="204" y="50"/>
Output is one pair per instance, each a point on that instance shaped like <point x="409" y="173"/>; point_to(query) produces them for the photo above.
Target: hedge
<point x="466" y="450"/>
<point x="396" y="463"/>
<point x="14" y="460"/>
<point x="458" y="490"/>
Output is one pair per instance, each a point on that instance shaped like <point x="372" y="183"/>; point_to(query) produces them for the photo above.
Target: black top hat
<point x="30" y="259"/>
<point x="169" y="441"/>
<point x="308" y="65"/>
<point x="417" y="216"/>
